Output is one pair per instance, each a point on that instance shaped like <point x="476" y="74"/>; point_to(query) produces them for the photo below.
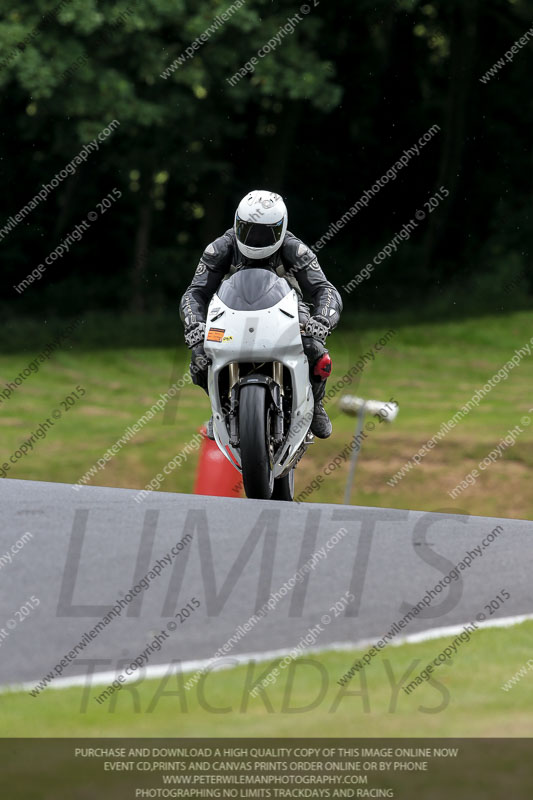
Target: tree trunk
<point x="216" y="220"/>
<point x="140" y="256"/>
<point x="463" y="38"/>
<point x="279" y="147"/>
<point x="66" y="204"/>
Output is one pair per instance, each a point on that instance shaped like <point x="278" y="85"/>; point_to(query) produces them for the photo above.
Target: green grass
<point x="464" y="700"/>
<point x="431" y="369"/>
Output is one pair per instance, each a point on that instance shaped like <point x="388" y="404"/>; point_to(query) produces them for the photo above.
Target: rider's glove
<point x="195" y="335"/>
<point x="317" y="328"/>
<point x="313" y="338"/>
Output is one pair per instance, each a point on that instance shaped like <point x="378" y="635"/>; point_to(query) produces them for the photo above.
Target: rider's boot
<point x="321" y="425"/>
<point x="209" y="430"/>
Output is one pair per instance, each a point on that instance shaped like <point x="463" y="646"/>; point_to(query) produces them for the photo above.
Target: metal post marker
<point x="356" y="406"/>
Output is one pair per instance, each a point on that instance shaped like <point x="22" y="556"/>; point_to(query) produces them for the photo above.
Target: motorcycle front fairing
<point x="254" y="318"/>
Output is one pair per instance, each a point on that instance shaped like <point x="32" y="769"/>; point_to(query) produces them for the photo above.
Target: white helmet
<point x="260" y="224"/>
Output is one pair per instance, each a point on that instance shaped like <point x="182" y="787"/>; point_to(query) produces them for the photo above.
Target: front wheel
<point x="284" y="487"/>
<point x="254" y="430"/>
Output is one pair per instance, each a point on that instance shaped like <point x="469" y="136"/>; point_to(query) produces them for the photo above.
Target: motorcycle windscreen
<point x="253" y="290"/>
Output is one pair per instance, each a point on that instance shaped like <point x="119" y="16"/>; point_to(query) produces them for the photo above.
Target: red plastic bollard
<point x="215" y="475"/>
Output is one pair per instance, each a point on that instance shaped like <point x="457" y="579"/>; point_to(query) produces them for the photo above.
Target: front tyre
<point x="284" y="487"/>
<point x="254" y="430"/>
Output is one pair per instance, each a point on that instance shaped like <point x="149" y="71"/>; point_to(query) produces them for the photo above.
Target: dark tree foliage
<point x="320" y="119"/>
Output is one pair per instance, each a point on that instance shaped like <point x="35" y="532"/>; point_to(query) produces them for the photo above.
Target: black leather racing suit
<point x="293" y="261"/>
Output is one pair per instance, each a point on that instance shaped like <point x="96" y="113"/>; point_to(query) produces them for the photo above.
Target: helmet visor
<point x="253" y="234"/>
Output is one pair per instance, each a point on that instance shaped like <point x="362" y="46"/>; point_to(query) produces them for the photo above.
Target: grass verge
<point x="464" y="698"/>
<point x="430" y="369"/>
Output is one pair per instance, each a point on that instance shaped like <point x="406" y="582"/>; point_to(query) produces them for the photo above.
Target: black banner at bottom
<point x="126" y="769"/>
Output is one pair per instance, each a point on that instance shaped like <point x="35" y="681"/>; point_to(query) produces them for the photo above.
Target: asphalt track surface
<point x="89" y="547"/>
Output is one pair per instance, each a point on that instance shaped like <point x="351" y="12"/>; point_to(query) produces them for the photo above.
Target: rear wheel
<point x="284" y="487"/>
<point x="254" y="431"/>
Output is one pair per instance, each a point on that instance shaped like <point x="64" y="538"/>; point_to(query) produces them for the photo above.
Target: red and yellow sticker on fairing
<point x="215" y="334"/>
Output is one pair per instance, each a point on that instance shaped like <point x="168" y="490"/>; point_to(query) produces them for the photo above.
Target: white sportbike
<point x="258" y="381"/>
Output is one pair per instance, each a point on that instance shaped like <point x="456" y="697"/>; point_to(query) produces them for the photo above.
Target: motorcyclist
<point x="260" y="239"/>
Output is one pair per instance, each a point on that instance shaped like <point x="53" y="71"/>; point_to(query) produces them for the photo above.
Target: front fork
<point x="277" y="374"/>
<point x="277" y="392"/>
<point x="277" y="396"/>
<point x="234" y="403"/>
